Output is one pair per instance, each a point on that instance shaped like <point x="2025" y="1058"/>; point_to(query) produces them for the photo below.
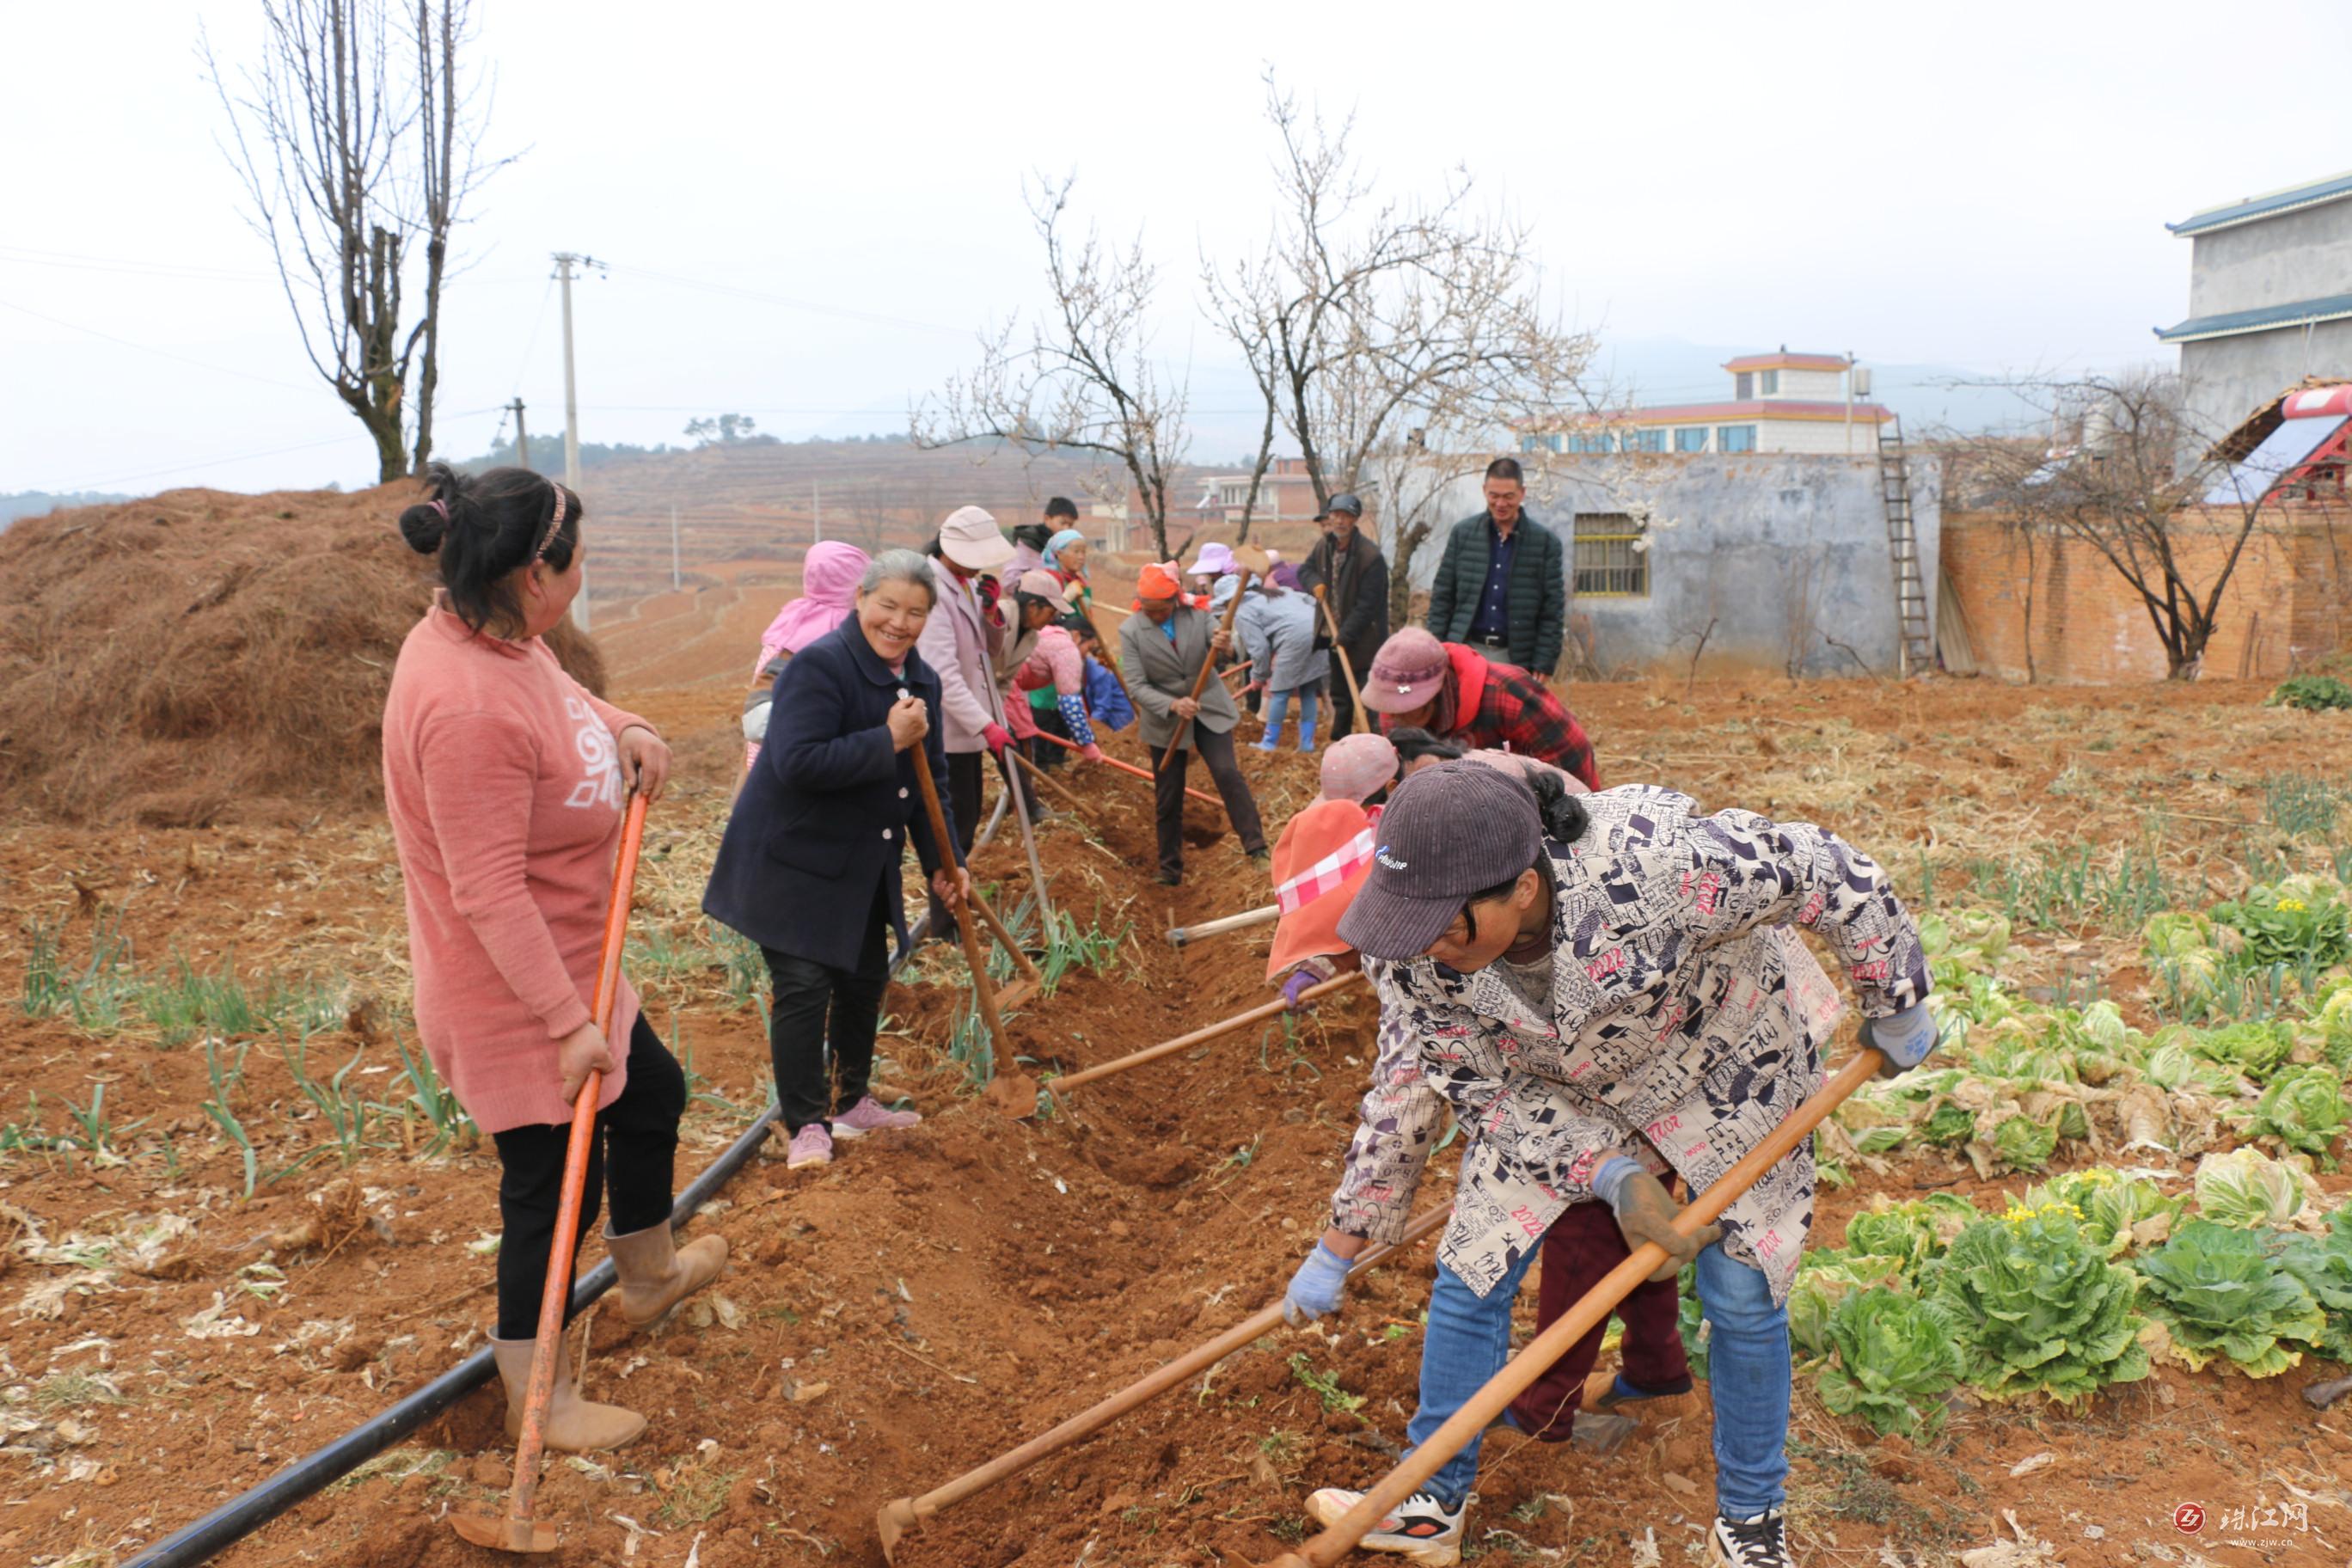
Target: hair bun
<point x="425" y="525"/>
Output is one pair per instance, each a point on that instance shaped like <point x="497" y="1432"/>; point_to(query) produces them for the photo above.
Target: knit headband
<point x="555" y="523"/>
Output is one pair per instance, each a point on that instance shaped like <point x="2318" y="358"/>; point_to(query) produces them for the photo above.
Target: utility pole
<point x="816" y="512"/>
<point x="676" y="580"/>
<point x="522" y="440"/>
<point x="564" y="262"/>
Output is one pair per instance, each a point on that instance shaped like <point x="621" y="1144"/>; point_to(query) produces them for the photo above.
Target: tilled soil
<point x="936" y="1297"/>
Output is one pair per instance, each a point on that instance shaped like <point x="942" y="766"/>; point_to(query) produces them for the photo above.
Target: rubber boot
<point x="574" y="1426"/>
<point x="656" y="1276"/>
<point x="1307" y="734"/>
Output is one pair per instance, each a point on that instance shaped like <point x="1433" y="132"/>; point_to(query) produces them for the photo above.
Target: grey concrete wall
<point x="2226" y="379"/>
<point x="2305" y="255"/>
<point x="1774" y="549"/>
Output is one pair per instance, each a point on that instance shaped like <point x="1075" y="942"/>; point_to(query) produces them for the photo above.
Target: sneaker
<point x="1423" y="1529"/>
<point x="1268" y="744"/>
<point x="1759" y="1542"/>
<point x="867" y="1116"/>
<point x="812" y="1145"/>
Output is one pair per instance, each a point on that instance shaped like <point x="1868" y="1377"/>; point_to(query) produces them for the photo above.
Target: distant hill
<point x="39" y="503"/>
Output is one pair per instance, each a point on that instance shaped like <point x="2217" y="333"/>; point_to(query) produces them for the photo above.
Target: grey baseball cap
<point x="1342" y="503"/>
<point x="1449" y="831"/>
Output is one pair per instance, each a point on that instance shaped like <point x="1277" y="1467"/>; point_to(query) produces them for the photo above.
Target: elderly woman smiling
<point x="809" y="865"/>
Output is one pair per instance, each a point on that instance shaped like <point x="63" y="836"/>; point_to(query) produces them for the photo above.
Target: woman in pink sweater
<point x="505" y="780"/>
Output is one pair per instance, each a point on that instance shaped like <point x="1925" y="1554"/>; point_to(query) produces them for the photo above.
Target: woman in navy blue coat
<point x="809" y="865"/>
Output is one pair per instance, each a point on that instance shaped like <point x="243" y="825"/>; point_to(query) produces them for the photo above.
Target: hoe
<point x="515" y="1530"/>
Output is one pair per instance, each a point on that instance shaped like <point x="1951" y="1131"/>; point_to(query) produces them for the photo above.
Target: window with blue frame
<point x="1735" y="439"/>
<point x="1530" y="443"/>
<point x="1645" y="441"/>
<point x="1691" y="440"/>
<point x="1743" y="384"/>
<point x="1768" y="382"/>
<point x="1589" y="441"/>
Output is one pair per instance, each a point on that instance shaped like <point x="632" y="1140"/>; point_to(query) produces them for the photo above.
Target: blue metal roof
<point x="2252" y="207"/>
<point x="2335" y="306"/>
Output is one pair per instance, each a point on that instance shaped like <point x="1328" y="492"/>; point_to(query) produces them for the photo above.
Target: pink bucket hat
<point x="1357" y="767"/>
<point x="1406" y="673"/>
<point x="971" y="539"/>
<point x="1214" y="560"/>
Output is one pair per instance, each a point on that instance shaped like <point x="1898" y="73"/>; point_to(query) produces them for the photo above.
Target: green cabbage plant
<point x="2304" y="1109"/>
<point x="2323" y="1265"/>
<point x="2173" y="934"/>
<point x="2255" y="1050"/>
<point x="2246" y="1187"/>
<point x="1915" y="1231"/>
<point x="1823" y="1279"/>
<point x="2111" y="1205"/>
<point x="2223" y="1296"/>
<point x="2023" y="1143"/>
<point x="1895" y="1356"/>
<point x="2037" y="1308"/>
<point x="1949" y="1124"/>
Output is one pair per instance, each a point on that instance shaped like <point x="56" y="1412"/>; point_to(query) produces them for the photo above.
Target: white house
<point x="1779" y="402"/>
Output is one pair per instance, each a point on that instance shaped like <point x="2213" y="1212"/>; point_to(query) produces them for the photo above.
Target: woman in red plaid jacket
<point x="1452" y="691"/>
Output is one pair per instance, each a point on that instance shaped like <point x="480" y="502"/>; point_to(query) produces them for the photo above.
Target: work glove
<point x="1904" y="1038"/>
<point x="1295" y="986"/>
<point x="1315" y="1291"/>
<point x="997" y="738"/>
<point x="1091" y="751"/>
<point x="1646" y="1212"/>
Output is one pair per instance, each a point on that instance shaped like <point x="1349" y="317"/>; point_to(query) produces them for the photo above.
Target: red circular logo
<point x="2189" y="1518"/>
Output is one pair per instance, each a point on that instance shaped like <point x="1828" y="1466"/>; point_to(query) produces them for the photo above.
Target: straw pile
<point x="200" y="657"/>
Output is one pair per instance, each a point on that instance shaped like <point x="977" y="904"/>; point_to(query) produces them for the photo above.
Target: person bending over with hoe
<point x="1609" y="990"/>
<point x="808" y="867"/>
<point x="1418" y="682"/>
<point x="1322" y="860"/>
<point x="505" y="781"/>
<point x="1161" y="651"/>
<point x="1052" y="666"/>
<point x="1277" y="626"/>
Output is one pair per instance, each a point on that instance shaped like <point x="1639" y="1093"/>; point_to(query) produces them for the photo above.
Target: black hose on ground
<point x="242" y="1515"/>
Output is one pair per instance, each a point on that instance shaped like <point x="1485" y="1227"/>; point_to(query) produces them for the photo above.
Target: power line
<point x="842" y="312"/>
<point x="150" y="348"/>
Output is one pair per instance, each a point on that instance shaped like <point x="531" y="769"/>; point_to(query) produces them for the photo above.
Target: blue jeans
<point x="1469" y="1339"/>
<point x="1277" y="707"/>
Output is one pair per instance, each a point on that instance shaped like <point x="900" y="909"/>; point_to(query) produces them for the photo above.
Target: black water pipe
<point x="242" y="1515"/>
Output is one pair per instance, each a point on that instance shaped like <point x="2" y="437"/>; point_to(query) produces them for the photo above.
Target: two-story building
<point x="2270" y="300"/>
<point x="1780" y="401"/>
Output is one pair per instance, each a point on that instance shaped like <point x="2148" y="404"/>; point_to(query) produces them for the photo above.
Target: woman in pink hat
<point x="960" y="641"/>
<point x="829" y="575"/>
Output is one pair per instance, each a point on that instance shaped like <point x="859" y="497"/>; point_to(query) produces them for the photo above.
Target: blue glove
<point x="1903" y="1038"/>
<point x="1295" y="985"/>
<point x="1609" y="1181"/>
<point x="1315" y="1288"/>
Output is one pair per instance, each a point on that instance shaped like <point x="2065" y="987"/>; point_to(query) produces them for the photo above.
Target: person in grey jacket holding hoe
<point x="1502" y="586"/>
<point x="1162" y="648"/>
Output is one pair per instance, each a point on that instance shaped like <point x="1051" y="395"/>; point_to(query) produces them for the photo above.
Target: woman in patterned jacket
<point x="1609" y="990"/>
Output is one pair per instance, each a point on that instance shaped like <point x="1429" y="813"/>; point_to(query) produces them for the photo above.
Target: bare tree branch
<point x="345" y="163"/>
<point x="1087" y="380"/>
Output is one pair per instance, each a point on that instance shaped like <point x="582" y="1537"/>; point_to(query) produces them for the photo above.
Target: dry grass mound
<point x="201" y="657"/>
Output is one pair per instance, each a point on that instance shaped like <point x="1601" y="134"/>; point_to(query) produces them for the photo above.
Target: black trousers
<point x="1049" y="721"/>
<point x="1342" y="703"/>
<point x="963" y="797"/>
<point x="821" y="1023"/>
<point x="633" y="1155"/>
<point x="1168" y="793"/>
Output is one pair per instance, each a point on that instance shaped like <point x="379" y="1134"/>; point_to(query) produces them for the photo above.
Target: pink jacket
<point x="955" y="643"/>
<point x="1054" y="661"/>
<point x="503" y="783"/>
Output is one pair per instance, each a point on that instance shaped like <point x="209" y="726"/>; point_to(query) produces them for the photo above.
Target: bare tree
<point x="1087" y="379"/>
<point x="2126" y="474"/>
<point x="1359" y="325"/>
<point x="348" y="162"/>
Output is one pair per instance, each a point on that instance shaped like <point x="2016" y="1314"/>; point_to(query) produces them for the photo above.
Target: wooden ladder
<point x="1913" y="642"/>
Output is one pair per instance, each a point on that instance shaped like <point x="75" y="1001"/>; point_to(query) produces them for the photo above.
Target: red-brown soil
<point x="934" y="1298"/>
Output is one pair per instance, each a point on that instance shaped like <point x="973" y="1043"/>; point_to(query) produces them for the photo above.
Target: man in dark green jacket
<point x="1502" y="587"/>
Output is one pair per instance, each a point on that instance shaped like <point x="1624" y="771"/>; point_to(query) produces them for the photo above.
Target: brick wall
<point x="2286" y="609"/>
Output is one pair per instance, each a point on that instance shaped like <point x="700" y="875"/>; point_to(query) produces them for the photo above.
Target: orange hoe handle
<point x="1131" y="768"/>
<point x="533" y="1442"/>
<point x="1592" y="1309"/>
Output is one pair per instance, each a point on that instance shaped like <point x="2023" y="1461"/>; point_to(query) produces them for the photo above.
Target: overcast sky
<point x="1983" y="186"/>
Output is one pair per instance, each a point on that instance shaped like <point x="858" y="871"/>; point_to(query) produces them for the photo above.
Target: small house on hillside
<point x="1779" y="402"/>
